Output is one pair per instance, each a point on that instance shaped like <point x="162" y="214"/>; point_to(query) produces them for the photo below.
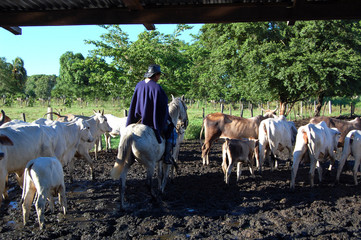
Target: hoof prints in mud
<point x="196" y="204"/>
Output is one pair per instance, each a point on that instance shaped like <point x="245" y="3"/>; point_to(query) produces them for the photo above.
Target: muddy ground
<point x="196" y="205"/>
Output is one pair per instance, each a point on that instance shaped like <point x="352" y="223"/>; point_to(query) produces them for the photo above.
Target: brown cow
<point x="219" y="125"/>
<point x="343" y="126"/>
<point x="4" y="118"/>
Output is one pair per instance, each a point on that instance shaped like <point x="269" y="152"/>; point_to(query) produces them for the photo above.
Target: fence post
<point x="251" y="107"/>
<point x="23" y="117"/>
<point x="230" y="110"/>
<point x="50" y="114"/>
<point x="329" y="107"/>
<point x="222" y="107"/>
<point x="203" y="112"/>
<point x="241" y="107"/>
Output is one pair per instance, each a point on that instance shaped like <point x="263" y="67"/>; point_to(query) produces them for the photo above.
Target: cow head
<point x="270" y="113"/>
<point x="84" y="127"/>
<point x="102" y="122"/>
<point x="4" y="140"/>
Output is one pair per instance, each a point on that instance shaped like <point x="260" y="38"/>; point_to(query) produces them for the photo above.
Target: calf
<point x="320" y="141"/>
<point x="275" y="134"/>
<point x="116" y="124"/>
<point x="219" y="125"/>
<point x="238" y="151"/>
<point x="352" y="147"/>
<point x="44" y="176"/>
<point x="343" y="126"/>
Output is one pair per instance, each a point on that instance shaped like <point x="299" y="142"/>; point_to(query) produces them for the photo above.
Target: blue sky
<point x="41" y="47"/>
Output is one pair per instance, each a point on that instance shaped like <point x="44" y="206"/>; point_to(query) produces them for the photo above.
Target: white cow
<point x="352" y="146"/>
<point x="275" y="134"/>
<point x="44" y="176"/>
<point x="20" y="143"/>
<point x="238" y="151"/>
<point x="320" y="141"/>
<point x="98" y="125"/>
<point x="117" y="124"/>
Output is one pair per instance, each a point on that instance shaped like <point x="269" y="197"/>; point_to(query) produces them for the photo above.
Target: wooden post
<point x="49" y="116"/>
<point x="352" y="109"/>
<point x="329" y="107"/>
<point x="222" y="107"/>
<point x="23" y="117"/>
<point x="340" y="108"/>
<point x="125" y="113"/>
<point x="203" y="112"/>
<point x="241" y="107"/>
<point x="251" y="107"/>
<point x="230" y="110"/>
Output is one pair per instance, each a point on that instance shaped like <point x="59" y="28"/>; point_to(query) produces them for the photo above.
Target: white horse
<point x="138" y="142"/>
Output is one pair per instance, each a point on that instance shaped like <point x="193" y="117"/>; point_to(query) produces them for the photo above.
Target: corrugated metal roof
<point x="150" y="12"/>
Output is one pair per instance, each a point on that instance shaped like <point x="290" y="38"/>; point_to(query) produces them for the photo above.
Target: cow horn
<point x="2" y="119"/>
<point x="275" y="109"/>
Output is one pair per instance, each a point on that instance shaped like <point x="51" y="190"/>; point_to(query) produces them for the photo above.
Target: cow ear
<point x="94" y="111"/>
<point x="103" y="112"/>
<point x="4" y="140"/>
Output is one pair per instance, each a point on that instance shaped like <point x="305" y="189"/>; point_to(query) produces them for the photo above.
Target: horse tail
<point x="124" y="152"/>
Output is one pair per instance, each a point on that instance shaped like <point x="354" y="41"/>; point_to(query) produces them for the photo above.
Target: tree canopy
<point x="258" y="62"/>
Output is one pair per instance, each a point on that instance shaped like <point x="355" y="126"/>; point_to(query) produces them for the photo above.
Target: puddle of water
<point x="14" y="205"/>
<point x="14" y="225"/>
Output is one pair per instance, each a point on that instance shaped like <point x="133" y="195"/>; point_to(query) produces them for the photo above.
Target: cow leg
<point x="273" y="162"/>
<point x="166" y="168"/>
<point x="205" y="152"/>
<point x="40" y="207"/>
<point x="27" y="201"/>
<point x="62" y="198"/>
<point x="224" y="163"/>
<point x="341" y="164"/>
<point x="312" y="169"/>
<point x="3" y="179"/>
<point x="297" y="155"/>
<point x="229" y="170"/>
<point x="355" y="170"/>
<point x="239" y="170"/>
<point x="250" y="166"/>
<point x="289" y="160"/>
<point x="123" y="178"/>
<point x="319" y="170"/>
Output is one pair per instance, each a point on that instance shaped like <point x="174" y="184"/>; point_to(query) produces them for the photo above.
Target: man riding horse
<point x="149" y="106"/>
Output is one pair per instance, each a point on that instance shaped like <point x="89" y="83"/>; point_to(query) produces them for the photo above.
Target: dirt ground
<point x="196" y="205"/>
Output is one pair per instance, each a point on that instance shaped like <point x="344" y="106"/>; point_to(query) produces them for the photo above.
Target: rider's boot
<point x="167" y="152"/>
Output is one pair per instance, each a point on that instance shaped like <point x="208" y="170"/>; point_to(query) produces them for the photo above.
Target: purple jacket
<point x="149" y="103"/>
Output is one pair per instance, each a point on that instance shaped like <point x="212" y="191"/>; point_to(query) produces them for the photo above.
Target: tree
<point x="273" y="61"/>
<point x="131" y="59"/>
<point x="40" y="86"/>
<point x="5" y="76"/>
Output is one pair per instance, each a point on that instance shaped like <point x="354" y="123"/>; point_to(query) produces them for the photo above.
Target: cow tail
<point x="347" y="145"/>
<point x="200" y="135"/>
<point x="310" y="141"/>
<point x="124" y="153"/>
<point x="26" y="176"/>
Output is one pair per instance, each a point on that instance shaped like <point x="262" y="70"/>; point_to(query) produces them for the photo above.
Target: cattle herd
<point x="37" y="152"/>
